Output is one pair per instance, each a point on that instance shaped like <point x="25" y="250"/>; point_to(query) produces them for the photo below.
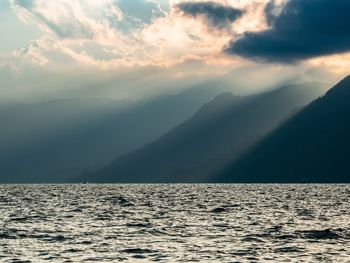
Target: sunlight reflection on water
<point x="175" y="223"/>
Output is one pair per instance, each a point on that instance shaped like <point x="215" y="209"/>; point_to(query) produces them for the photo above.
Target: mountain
<point x="220" y="131"/>
<point x="311" y="147"/>
<point x="56" y="140"/>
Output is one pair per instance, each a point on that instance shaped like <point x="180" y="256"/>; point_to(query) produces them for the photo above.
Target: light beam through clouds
<point x="126" y="35"/>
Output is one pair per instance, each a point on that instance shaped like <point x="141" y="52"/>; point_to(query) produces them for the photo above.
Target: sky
<point x="138" y="48"/>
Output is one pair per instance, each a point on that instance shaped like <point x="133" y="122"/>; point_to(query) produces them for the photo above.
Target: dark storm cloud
<point x="269" y="12"/>
<point x="216" y="15"/>
<point x="304" y="29"/>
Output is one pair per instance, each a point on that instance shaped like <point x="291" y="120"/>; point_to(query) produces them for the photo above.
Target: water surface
<point x="175" y="223"/>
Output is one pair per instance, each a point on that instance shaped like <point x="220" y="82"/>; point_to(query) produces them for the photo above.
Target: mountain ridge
<point x="53" y="141"/>
<point x="311" y="147"/>
<point x="211" y="132"/>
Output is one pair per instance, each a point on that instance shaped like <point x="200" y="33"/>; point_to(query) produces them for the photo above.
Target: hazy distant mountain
<point x="56" y="140"/>
<point x="313" y="146"/>
<point x="221" y="130"/>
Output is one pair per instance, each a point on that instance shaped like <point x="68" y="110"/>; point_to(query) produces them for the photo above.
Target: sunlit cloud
<point x="116" y="35"/>
<point x="125" y="36"/>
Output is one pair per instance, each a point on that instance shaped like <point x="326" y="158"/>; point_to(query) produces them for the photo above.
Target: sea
<point x="175" y="223"/>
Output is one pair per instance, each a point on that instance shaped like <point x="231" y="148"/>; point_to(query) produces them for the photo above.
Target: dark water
<point x="175" y="223"/>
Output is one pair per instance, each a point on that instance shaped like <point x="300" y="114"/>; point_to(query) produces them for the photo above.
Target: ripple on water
<point x="219" y="210"/>
<point x="138" y="251"/>
<point x="324" y="234"/>
<point x="174" y="223"/>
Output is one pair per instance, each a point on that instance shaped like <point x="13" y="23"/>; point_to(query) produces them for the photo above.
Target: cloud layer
<point x="216" y="15"/>
<point x="304" y="29"/>
<point x="113" y="33"/>
<point x="118" y="33"/>
<point x="89" y="44"/>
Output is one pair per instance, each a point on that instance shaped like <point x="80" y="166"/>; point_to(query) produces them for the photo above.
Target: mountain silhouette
<point x="220" y="131"/>
<point x="56" y="140"/>
<point x="311" y="147"/>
